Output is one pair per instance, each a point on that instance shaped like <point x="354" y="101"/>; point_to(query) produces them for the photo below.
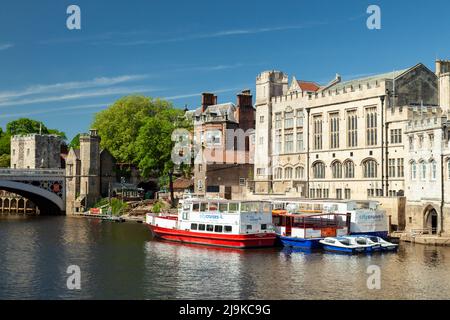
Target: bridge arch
<point x="48" y="202"/>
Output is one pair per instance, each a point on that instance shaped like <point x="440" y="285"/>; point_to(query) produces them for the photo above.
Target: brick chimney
<point x="208" y="99"/>
<point x="245" y="113"/>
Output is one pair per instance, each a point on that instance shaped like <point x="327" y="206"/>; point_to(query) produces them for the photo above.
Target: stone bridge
<point x="45" y="187"/>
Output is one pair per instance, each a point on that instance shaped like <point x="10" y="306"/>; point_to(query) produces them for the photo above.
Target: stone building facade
<point x="89" y="173"/>
<point x="35" y="151"/>
<point x="342" y="140"/>
<point x="224" y="140"/>
<point x="428" y="162"/>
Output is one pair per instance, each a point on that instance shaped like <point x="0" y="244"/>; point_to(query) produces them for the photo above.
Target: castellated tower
<point x="90" y="167"/>
<point x="443" y="73"/>
<point x="269" y="84"/>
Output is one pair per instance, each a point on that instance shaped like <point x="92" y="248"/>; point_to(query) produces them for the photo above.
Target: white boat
<point x="342" y="244"/>
<point x="385" y="245"/>
<point x="365" y="241"/>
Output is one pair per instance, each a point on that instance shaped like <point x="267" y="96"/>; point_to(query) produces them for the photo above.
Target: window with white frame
<point x="319" y="170"/>
<point x="260" y="171"/>
<point x="396" y="136"/>
<point x="391" y="168"/>
<point x="349" y="169"/>
<point x="278" y="142"/>
<point x="423" y="170"/>
<point x="334" y="130"/>
<point x="370" y="168"/>
<point x="336" y="170"/>
<point x="288" y="173"/>
<point x="278" y="174"/>
<point x="278" y="120"/>
<point x="213" y="137"/>
<point x="289" y="120"/>
<point x="371" y="126"/>
<point x="433" y="169"/>
<point x="289" y="143"/>
<point x="299" y="173"/>
<point x="400" y="168"/>
<point x="300" y="143"/>
<point x="411" y="143"/>
<point x="413" y="170"/>
<point x="299" y="117"/>
<point x="448" y="168"/>
<point x="352" y="129"/>
<point x="317" y="129"/>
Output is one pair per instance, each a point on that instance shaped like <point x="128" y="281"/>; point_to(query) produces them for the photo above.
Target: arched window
<point x="319" y="170"/>
<point x="413" y="170"/>
<point x="299" y="173"/>
<point x="433" y="169"/>
<point x="423" y="170"/>
<point x="278" y="174"/>
<point x="370" y="168"/>
<point x="288" y="173"/>
<point x="336" y="169"/>
<point x="349" y="169"/>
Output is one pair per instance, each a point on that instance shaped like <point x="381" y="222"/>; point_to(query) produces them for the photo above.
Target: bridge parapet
<point x="31" y="173"/>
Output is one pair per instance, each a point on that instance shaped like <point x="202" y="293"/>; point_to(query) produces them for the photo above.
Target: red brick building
<point x="224" y="140"/>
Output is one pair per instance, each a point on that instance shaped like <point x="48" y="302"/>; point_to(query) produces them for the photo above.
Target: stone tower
<point x="443" y="73"/>
<point x="90" y="167"/>
<point x="269" y="84"/>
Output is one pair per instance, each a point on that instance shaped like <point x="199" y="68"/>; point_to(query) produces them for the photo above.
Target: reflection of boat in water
<point x="217" y="222"/>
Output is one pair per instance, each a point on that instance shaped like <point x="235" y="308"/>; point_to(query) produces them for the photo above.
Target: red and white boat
<point x="217" y="222"/>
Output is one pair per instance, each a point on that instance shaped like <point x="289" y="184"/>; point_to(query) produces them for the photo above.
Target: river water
<point x="122" y="261"/>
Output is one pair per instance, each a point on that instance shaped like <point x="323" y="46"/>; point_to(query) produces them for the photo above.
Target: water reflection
<point x="122" y="261"/>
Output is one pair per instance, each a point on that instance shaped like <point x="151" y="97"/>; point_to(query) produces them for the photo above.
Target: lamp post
<point x="382" y="98"/>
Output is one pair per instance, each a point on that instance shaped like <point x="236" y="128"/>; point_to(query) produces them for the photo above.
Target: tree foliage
<point x="75" y="143"/>
<point x="119" y="125"/>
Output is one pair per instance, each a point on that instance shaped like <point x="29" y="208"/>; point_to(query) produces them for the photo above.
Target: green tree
<point x="75" y="143"/>
<point x="119" y="125"/>
<point x="154" y="144"/>
<point x="25" y="126"/>
<point x="5" y="161"/>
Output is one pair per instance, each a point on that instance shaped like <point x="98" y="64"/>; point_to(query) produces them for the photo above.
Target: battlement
<point x="34" y="136"/>
<point x="425" y="118"/>
<point x="273" y="75"/>
<point x="340" y="93"/>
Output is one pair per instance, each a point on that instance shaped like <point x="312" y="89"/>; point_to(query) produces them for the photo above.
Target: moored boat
<point x="365" y="242"/>
<point x="384" y="245"/>
<point x="217" y="222"/>
<point x="341" y="244"/>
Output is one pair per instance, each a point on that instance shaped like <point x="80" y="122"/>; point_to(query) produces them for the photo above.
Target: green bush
<point x="156" y="208"/>
<point x="117" y="207"/>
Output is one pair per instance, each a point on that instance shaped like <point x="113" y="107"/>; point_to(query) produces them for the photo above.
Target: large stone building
<point x="340" y="140"/>
<point x="90" y="172"/>
<point x="36" y="151"/>
<point x="223" y="135"/>
<point x="428" y="162"/>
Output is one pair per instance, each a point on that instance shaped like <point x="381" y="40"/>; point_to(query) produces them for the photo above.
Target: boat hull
<point x="342" y="249"/>
<point x="218" y="240"/>
<point x="300" y="243"/>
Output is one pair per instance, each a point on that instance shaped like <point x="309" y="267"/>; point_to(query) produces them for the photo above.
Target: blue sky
<point x="178" y="49"/>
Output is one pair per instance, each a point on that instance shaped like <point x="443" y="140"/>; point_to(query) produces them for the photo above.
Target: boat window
<point x="361" y="241"/>
<point x="201" y="227"/>
<point x="266" y="207"/>
<point x="228" y="228"/>
<point x="329" y="241"/>
<point x="195" y="207"/>
<point x="210" y="227"/>
<point x="194" y="226"/>
<point x="249" y="227"/>
<point x="185" y="215"/>
<point x="223" y="207"/>
<point x="218" y="228"/>
<point x="233" y="207"/>
<point x="264" y="227"/>
<point x="203" y="207"/>
<point x="213" y="206"/>
<point x="249" y="207"/>
<point x="374" y="239"/>
<point x="345" y="242"/>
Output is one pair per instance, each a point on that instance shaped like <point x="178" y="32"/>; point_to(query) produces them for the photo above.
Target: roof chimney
<point x="244" y="99"/>
<point x="208" y="99"/>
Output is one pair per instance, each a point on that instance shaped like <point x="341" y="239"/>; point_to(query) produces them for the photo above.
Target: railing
<point x="31" y="172"/>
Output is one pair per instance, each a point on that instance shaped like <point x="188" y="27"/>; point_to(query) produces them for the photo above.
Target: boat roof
<point x="308" y="214"/>
<point x="220" y="200"/>
<point x="297" y="200"/>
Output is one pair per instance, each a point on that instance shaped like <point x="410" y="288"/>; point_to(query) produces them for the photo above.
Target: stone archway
<point x="431" y="219"/>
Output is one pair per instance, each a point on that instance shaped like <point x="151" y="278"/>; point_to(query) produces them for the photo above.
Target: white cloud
<point x="5" y="46"/>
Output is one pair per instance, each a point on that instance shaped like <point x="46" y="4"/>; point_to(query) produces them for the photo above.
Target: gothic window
<point x="336" y="169"/>
<point x="278" y="120"/>
<point x="370" y="168"/>
<point x="423" y="170"/>
<point x="448" y="168"/>
<point x="411" y="143"/>
<point x="317" y="129"/>
<point x="319" y="170"/>
<point x="288" y="173"/>
<point x="278" y="174"/>
<point x="400" y="168"/>
<point x="334" y="130"/>
<point x="289" y="120"/>
<point x="433" y="170"/>
<point x="391" y="168"/>
<point x="300" y="143"/>
<point x="278" y="142"/>
<point x="299" y="172"/>
<point x="300" y="117"/>
<point x="289" y="143"/>
<point x="352" y="129"/>
<point x="413" y="170"/>
<point x="349" y="168"/>
<point x="371" y="126"/>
